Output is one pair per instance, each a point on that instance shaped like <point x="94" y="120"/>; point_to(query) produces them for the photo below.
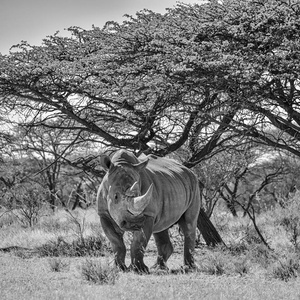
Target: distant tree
<point x="248" y="176"/>
<point x="26" y="201"/>
<point x="41" y="156"/>
<point x="47" y="147"/>
<point x="19" y="194"/>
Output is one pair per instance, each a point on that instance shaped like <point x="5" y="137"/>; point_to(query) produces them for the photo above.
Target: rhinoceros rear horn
<point x="141" y="165"/>
<point x="139" y="203"/>
<point x="135" y="189"/>
<point x="105" y="162"/>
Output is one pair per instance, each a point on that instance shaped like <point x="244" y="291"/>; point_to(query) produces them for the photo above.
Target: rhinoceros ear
<point x="105" y="162"/>
<point x="140" y="166"/>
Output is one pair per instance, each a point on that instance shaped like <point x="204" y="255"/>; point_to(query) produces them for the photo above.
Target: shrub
<point x="7" y="219"/>
<point x="214" y="263"/>
<point x="251" y="237"/>
<point x="261" y="255"/>
<point x="57" y="264"/>
<point x="287" y="269"/>
<point x="238" y="248"/>
<point x="52" y="225"/>
<point x="98" y="272"/>
<point x="242" y="267"/>
<point x="290" y="221"/>
<point x="91" y="246"/>
<point x="287" y="218"/>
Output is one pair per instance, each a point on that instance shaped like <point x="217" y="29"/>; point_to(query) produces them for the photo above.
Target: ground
<point x="33" y="279"/>
<point x="223" y="274"/>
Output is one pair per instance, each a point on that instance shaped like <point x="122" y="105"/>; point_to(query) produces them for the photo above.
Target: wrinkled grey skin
<point x="147" y="197"/>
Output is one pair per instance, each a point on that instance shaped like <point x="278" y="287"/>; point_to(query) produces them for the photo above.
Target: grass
<point x="99" y="272"/>
<point x="71" y="261"/>
<point x="86" y="246"/>
<point x="33" y="279"/>
<point x="288" y="268"/>
<point x="57" y="264"/>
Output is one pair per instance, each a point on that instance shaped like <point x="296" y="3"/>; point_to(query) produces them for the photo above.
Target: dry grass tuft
<point x="99" y="272"/>
<point x="58" y="264"/>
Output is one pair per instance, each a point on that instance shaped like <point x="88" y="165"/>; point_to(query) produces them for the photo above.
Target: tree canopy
<point x="203" y="77"/>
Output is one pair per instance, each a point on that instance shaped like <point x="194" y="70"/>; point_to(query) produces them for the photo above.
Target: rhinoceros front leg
<point x="164" y="248"/>
<point x="139" y="244"/>
<point x="115" y="236"/>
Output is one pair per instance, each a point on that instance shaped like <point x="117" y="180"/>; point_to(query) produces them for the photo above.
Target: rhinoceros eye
<point x="117" y="197"/>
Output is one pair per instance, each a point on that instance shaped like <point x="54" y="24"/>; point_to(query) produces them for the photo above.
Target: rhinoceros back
<point x="176" y="191"/>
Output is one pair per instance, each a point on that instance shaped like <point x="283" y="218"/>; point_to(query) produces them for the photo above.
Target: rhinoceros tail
<point x="208" y="230"/>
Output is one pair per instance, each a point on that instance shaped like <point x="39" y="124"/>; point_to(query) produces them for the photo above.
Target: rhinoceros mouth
<point x="129" y="225"/>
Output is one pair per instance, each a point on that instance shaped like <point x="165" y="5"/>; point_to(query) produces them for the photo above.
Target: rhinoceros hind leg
<point x="164" y="248"/>
<point x="189" y="231"/>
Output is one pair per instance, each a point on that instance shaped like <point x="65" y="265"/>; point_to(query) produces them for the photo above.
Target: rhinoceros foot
<point x="189" y="269"/>
<point x="122" y="267"/>
<point x="139" y="268"/>
<point x="185" y="270"/>
<point x="160" y="269"/>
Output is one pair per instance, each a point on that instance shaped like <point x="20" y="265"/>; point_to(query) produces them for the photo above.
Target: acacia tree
<point x="205" y="78"/>
<point x="200" y="75"/>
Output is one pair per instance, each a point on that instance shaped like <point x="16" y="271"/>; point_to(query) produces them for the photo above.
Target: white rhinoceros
<point x="147" y="197"/>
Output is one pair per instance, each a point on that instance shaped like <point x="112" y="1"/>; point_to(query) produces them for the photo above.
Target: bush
<point x="287" y="269"/>
<point x="98" y="272"/>
<point x="224" y="261"/>
<point x="7" y="219"/>
<point x="238" y="248"/>
<point x="57" y="264"/>
<point x="290" y="221"/>
<point x="242" y="267"/>
<point x="214" y="263"/>
<point x="89" y="246"/>
<point x="53" y="225"/>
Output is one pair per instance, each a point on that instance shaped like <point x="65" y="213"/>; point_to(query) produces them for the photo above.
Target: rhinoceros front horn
<point x="139" y="203"/>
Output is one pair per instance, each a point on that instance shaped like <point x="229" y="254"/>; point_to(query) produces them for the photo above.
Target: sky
<point x="33" y="20"/>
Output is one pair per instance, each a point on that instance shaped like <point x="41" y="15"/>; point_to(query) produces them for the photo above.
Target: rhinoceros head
<point x="125" y="201"/>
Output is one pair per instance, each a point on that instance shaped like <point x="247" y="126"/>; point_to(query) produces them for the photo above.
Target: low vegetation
<point x="58" y="264"/>
<point x="82" y="255"/>
<point x="99" y="272"/>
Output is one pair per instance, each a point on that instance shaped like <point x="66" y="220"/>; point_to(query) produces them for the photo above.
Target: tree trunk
<point x="208" y="231"/>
